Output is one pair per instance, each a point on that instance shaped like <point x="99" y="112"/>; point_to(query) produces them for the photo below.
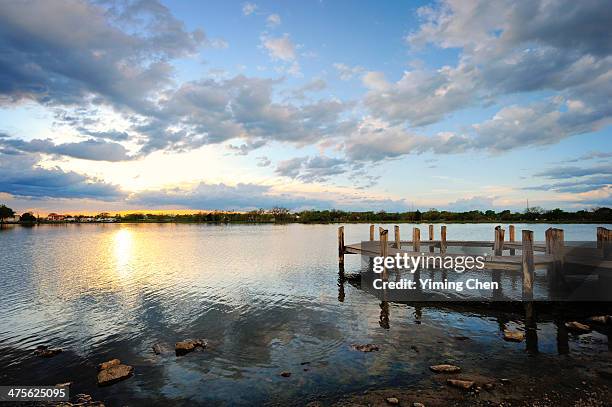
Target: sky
<point x="454" y="105"/>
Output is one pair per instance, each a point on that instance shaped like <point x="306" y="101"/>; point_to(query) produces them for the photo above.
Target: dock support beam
<point x="371" y="233"/>
<point x="443" y="239"/>
<point x="341" y="245"/>
<point x="416" y="239"/>
<point x="604" y="242"/>
<point x="384" y="238"/>
<point x="527" y="264"/>
<point x="498" y="246"/>
<point x="431" y="237"/>
<point x="555" y="246"/>
<point x="512" y="238"/>
<point x="398" y="243"/>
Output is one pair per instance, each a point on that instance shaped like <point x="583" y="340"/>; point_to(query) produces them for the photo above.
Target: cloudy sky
<point x="120" y="105"/>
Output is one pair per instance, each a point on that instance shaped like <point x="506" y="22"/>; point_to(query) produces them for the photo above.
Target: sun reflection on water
<point x="123" y="242"/>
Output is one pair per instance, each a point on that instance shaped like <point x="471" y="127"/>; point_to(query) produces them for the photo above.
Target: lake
<point x="266" y="297"/>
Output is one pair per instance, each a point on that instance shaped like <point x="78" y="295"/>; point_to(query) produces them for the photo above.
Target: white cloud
<point x="347" y="72"/>
<point x="280" y="48"/>
<point x="249" y="8"/>
<point x="273" y="20"/>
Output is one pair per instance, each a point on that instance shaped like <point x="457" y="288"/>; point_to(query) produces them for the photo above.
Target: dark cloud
<point x="97" y="150"/>
<point x="214" y="111"/>
<point x="593" y="155"/>
<point x="316" y="85"/>
<point x="73" y="52"/>
<point x="312" y="169"/>
<point x="376" y="142"/>
<point x="21" y="176"/>
<point x="574" y="179"/>
<point x="263" y="161"/>
<point x="507" y="47"/>
<point x="565" y="172"/>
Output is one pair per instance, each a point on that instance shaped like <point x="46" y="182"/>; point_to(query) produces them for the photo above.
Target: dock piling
<point x="371" y="233"/>
<point x="512" y="238"/>
<point x="398" y="244"/>
<point x="498" y="246"/>
<point x="416" y="239"/>
<point x="443" y="239"/>
<point x="606" y="242"/>
<point x="527" y="264"/>
<point x="341" y="245"/>
<point x="383" y="241"/>
<point x="431" y="237"/>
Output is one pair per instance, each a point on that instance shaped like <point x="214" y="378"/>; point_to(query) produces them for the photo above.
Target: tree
<point x="28" y="218"/>
<point x="5" y="212"/>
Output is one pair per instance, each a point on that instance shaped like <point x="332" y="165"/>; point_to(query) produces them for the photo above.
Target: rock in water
<point x="577" y="327"/>
<point x="110" y="363"/>
<point x="368" y="347"/>
<point x="393" y="401"/>
<point x="285" y="374"/>
<point x="462" y="384"/>
<point x="445" y="369"/>
<point x="514" y="336"/>
<point x="186" y="346"/>
<point x="600" y="319"/>
<point x="417" y="404"/>
<point x="44" y="352"/>
<point x="157" y="349"/>
<point x="114" y="374"/>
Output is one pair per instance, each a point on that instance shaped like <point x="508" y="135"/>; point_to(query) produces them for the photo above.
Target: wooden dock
<point x="552" y="253"/>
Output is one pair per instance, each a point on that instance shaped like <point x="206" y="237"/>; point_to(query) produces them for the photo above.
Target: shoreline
<point x="382" y="222"/>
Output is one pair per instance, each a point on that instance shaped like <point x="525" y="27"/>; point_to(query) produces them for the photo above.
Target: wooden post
<point x="341" y="245"/>
<point x="371" y="233"/>
<point x="431" y="237"/>
<point x="600" y="235"/>
<point x="548" y="237"/>
<point x="527" y="264"/>
<point x="498" y="246"/>
<point x="607" y="243"/>
<point x="512" y="239"/>
<point x="443" y="239"/>
<point x="398" y="244"/>
<point x="416" y="239"/>
<point x="383" y="241"/>
<point x="556" y="247"/>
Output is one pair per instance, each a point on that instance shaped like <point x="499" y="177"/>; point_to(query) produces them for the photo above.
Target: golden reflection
<point x="123" y="248"/>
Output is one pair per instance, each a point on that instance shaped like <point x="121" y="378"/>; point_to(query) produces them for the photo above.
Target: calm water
<point x="266" y="297"/>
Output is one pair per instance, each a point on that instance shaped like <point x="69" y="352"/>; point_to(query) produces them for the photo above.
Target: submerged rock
<point x="577" y="327"/>
<point x="157" y="349"/>
<point x="186" y="346"/>
<point x="393" y="401"/>
<point x="44" y="352"/>
<point x="601" y="319"/>
<point x="445" y="368"/>
<point x="81" y="400"/>
<point x="110" y="363"/>
<point x="285" y="374"/>
<point x="461" y="384"/>
<point x="114" y="374"/>
<point x="417" y="404"/>
<point x="368" y="347"/>
<point x="514" y="336"/>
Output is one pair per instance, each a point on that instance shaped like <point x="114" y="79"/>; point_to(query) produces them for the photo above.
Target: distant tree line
<point x="283" y="215"/>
